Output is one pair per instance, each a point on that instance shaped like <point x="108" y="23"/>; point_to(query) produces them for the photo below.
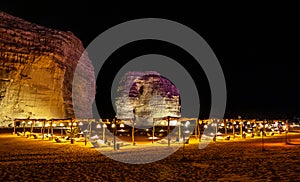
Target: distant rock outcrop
<point x="146" y="95"/>
<point x="37" y="66"/>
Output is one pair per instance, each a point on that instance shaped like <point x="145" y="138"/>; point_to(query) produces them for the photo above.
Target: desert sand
<point x="24" y="159"/>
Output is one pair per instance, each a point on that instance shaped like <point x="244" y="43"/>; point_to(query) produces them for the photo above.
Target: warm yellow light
<point x="222" y="124"/>
<point x="80" y="123"/>
<point x="74" y="124"/>
<point x="40" y="125"/>
<point x="47" y="125"/>
<point x="122" y="125"/>
<point x="70" y="124"/>
<point x="104" y="125"/>
<point x="61" y="124"/>
<point x="113" y="125"/>
<point x="248" y="122"/>
<point x="54" y="125"/>
<point x="187" y="123"/>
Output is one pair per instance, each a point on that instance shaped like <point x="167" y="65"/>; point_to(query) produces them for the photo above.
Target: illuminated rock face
<point x="146" y="95"/>
<point x="37" y="65"/>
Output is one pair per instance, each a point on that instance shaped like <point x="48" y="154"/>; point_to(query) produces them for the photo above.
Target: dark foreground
<point x="23" y="159"/>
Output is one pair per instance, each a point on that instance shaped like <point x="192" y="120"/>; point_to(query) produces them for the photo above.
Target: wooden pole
<point x="43" y="129"/>
<point x="196" y="128"/>
<point x="15" y="127"/>
<point x="241" y="129"/>
<point x="169" y="131"/>
<point x="199" y="131"/>
<point x="225" y="125"/>
<point x="132" y="133"/>
<point x="31" y="127"/>
<point x="24" y="128"/>
<point x="71" y="136"/>
<point x="90" y="124"/>
<point x="153" y="131"/>
<point x="115" y="129"/>
<point x="51" y="129"/>
<point x="179" y="131"/>
<point x="233" y="128"/>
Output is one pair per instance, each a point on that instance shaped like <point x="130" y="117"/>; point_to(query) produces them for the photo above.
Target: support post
<point x="71" y="136"/>
<point x="90" y="132"/>
<point x="115" y="129"/>
<point x="169" y="131"/>
<point x="103" y="137"/>
<point x="15" y="127"/>
<point x="179" y="131"/>
<point x="43" y="129"/>
<point x="51" y="129"/>
<point x="31" y="128"/>
<point x="132" y="133"/>
<point x="241" y="129"/>
<point x="196" y="128"/>
<point x="153" y="131"/>
<point x="24" y="128"/>
<point x="225" y="126"/>
<point x="233" y="129"/>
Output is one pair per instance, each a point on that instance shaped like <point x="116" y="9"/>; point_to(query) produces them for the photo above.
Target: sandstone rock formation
<point x="37" y="65"/>
<point x="146" y="95"/>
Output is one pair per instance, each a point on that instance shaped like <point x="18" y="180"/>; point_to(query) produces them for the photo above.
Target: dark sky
<point x="256" y="45"/>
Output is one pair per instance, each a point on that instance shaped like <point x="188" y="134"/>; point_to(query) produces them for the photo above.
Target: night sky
<point x="256" y="46"/>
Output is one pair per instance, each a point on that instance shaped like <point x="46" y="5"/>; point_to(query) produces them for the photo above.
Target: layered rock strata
<point x="37" y="66"/>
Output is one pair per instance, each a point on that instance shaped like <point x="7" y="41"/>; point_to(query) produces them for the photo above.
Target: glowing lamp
<point x="113" y="125"/>
<point x="61" y="124"/>
<point x="187" y="123"/>
<point x="98" y="126"/>
<point x="80" y="123"/>
<point x="54" y="125"/>
<point x="104" y="125"/>
<point x="122" y="125"/>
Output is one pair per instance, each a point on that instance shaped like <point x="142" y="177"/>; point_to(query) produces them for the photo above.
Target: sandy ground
<point x="24" y="159"/>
